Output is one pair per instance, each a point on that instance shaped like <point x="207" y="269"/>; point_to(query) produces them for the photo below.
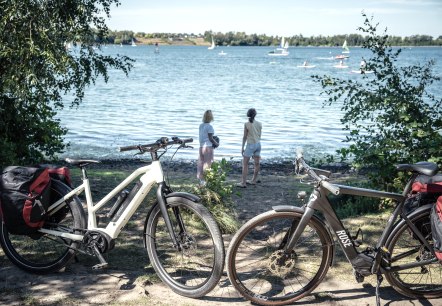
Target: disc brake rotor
<point x="280" y="263"/>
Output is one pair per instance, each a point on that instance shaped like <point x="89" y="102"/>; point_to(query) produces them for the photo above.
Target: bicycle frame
<point x="150" y="175"/>
<point x="318" y="201"/>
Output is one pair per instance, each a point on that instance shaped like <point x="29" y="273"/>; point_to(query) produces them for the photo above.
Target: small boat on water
<point x="362" y="71"/>
<point x="341" y="65"/>
<point x="283" y="49"/>
<point x="133" y="44"/>
<point x="341" y="56"/>
<point x="222" y="53"/>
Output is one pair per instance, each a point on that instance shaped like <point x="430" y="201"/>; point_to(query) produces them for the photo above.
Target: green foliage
<point x="350" y="206"/>
<point x="216" y="195"/>
<point x="390" y="115"/>
<point x="38" y="70"/>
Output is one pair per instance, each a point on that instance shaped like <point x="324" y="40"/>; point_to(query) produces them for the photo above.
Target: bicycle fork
<point x="305" y="219"/>
<point x="163" y="208"/>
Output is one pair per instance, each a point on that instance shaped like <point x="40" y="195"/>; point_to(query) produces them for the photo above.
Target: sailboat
<point x="133" y="43"/>
<point x="213" y="45"/>
<point x="344" y="46"/>
<point x="282" y="50"/>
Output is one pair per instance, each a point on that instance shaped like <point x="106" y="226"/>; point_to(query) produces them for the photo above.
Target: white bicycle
<point x="182" y="239"/>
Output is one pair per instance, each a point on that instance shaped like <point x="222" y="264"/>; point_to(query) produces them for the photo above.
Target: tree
<point x="38" y="69"/>
<point x="391" y="116"/>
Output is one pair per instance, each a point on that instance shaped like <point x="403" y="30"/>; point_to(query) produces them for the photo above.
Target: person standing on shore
<point x="207" y="144"/>
<point x="252" y="136"/>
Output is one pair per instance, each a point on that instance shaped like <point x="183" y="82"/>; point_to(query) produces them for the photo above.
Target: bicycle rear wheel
<point x="260" y="270"/>
<point x="405" y="248"/>
<point x="44" y="253"/>
<point x="196" y="269"/>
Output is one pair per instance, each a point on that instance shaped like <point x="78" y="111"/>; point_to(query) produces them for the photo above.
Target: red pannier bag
<point x="425" y="190"/>
<point x="25" y="195"/>
<point x="436" y="228"/>
<point x="59" y="173"/>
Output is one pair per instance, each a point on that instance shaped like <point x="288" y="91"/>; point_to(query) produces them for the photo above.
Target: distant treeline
<point x="243" y="39"/>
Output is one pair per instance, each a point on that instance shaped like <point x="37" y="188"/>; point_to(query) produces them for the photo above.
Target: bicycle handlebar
<point x="330" y="187"/>
<point x="317" y="177"/>
<point x="163" y="142"/>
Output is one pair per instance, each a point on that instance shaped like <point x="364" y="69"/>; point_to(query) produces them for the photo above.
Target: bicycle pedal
<point x="100" y="266"/>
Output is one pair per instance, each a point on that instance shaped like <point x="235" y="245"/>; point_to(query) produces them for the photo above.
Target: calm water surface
<point x="167" y="93"/>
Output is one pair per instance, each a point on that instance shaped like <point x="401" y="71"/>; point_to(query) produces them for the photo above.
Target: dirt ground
<point x="124" y="284"/>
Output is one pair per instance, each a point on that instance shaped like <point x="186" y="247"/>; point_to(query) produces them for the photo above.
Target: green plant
<point x="216" y="195"/>
<point x="390" y="115"/>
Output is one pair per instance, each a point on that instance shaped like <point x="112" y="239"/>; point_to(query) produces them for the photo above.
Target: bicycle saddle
<point x="81" y="162"/>
<point x="427" y="168"/>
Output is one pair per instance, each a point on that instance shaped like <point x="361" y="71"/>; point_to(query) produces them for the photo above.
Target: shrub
<point x="216" y="195"/>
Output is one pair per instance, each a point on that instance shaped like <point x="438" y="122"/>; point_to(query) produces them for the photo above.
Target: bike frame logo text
<point x="345" y="240"/>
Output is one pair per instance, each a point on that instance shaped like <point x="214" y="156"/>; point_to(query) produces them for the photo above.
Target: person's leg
<point x="207" y="157"/>
<point x="245" y="170"/>
<point x="256" y="169"/>
<point x="200" y="165"/>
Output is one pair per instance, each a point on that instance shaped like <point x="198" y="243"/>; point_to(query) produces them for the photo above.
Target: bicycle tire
<point x="44" y="253"/>
<point x="418" y="282"/>
<point x="197" y="268"/>
<point x="256" y="266"/>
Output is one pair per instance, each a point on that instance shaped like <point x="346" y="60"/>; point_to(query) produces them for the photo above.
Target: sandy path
<point x="78" y="285"/>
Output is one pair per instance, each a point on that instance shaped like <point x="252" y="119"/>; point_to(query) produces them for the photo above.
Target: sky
<point x="278" y="17"/>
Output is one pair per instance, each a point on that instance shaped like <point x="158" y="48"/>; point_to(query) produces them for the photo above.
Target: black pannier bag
<point x="25" y="195"/>
<point x="436" y="228"/>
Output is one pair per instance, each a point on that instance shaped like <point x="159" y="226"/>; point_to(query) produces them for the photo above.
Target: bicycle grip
<point x="330" y="187"/>
<point x="128" y="148"/>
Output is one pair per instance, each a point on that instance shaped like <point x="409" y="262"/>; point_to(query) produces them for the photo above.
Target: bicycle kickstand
<point x="380" y="278"/>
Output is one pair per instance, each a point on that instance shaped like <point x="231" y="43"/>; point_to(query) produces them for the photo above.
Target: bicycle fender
<point x="191" y="197"/>
<point x="300" y="210"/>
<point x="420" y="209"/>
<point x="411" y="215"/>
<point x="288" y="208"/>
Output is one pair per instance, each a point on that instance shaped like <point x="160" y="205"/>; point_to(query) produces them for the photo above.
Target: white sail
<point x="213" y="45"/>
<point x="344" y="46"/>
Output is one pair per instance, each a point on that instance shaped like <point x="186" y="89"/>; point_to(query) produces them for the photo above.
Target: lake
<point x="166" y="94"/>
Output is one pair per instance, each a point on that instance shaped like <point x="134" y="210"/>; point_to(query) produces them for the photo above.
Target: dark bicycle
<point x="282" y="255"/>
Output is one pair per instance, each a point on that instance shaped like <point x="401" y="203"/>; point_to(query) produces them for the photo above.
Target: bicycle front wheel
<point x="196" y="268"/>
<point x="263" y="273"/>
<point x="44" y="253"/>
<point x="405" y="248"/>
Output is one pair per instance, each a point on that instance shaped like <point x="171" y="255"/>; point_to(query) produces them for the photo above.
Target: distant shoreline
<point x="206" y="44"/>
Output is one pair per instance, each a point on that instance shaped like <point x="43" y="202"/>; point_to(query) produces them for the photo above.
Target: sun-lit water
<point x="167" y="93"/>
